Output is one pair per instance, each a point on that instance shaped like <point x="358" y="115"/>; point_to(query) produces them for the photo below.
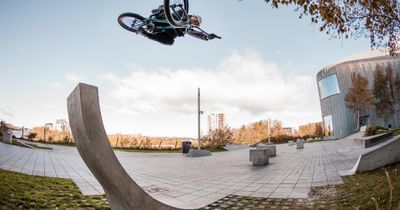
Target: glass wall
<point x="328" y="124"/>
<point x="328" y="86"/>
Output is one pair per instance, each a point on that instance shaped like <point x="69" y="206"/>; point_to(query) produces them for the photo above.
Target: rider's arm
<point x="198" y="34"/>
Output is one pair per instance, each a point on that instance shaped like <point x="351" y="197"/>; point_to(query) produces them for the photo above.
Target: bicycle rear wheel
<point x="131" y="21"/>
<point x="176" y="11"/>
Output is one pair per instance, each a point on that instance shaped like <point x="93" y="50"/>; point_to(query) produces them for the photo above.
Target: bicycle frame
<point x="152" y="20"/>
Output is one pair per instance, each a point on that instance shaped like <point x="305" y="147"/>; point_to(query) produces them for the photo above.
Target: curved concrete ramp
<point x="93" y="146"/>
<point x="384" y="154"/>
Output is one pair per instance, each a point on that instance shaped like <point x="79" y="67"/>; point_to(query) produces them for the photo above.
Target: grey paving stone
<point x="219" y="175"/>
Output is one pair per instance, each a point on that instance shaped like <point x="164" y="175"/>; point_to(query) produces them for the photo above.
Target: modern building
<point x="334" y="82"/>
<point x="216" y="121"/>
<point x="288" y="131"/>
<point x="61" y="125"/>
<point x="310" y="129"/>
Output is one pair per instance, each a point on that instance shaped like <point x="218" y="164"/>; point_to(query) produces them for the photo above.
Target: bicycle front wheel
<point x="131" y="21"/>
<point x="176" y="12"/>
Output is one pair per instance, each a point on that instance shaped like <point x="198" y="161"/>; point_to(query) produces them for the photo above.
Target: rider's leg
<point x="163" y="38"/>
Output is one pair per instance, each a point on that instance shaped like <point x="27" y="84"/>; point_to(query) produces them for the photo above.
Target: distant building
<point x="21" y="132"/>
<point x="287" y="131"/>
<point x="61" y="125"/>
<point x="216" y="121"/>
<point x="310" y="129"/>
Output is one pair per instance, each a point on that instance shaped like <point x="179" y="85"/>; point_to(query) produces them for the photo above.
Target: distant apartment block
<point x="61" y="125"/>
<point x="288" y="131"/>
<point x="310" y="129"/>
<point x="216" y="121"/>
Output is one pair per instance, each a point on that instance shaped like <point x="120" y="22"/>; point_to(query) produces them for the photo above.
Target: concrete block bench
<point x="259" y="156"/>
<point x="370" y="141"/>
<point x="291" y="143"/>
<point x="7" y="137"/>
<point x="271" y="149"/>
<point x="300" y="144"/>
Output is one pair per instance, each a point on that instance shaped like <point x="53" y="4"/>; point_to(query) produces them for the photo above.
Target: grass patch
<point x="20" y="191"/>
<point x="379" y="189"/>
<point x="396" y="132"/>
<point x="53" y="143"/>
<point x="39" y="147"/>
<point x="320" y="140"/>
<point x="179" y="150"/>
<point x="217" y="148"/>
<point x="148" y="150"/>
<point x="359" y="189"/>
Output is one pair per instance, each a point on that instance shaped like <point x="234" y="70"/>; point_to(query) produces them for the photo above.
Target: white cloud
<point x="48" y="106"/>
<point x="56" y="85"/>
<point x="7" y="112"/>
<point x="75" y="78"/>
<point x="243" y="84"/>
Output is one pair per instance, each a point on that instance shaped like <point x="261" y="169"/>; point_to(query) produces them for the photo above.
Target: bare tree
<point x="359" y="97"/>
<point x="396" y="95"/>
<point x="382" y="98"/>
<point x="124" y="141"/>
<point x="219" y="137"/>
<point x="378" y="20"/>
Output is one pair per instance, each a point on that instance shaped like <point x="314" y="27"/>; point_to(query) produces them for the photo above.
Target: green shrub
<point x="32" y="136"/>
<point x="375" y="130"/>
<point x="371" y="130"/>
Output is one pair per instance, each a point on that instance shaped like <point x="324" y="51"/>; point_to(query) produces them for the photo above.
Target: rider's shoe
<point x="158" y="10"/>
<point x="141" y="31"/>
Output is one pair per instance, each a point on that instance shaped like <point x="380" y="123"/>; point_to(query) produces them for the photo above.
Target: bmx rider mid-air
<point x="166" y="23"/>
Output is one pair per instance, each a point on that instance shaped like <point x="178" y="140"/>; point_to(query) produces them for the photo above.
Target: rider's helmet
<point x="195" y="20"/>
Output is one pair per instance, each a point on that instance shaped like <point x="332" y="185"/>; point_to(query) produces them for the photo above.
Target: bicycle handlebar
<point x="208" y="34"/>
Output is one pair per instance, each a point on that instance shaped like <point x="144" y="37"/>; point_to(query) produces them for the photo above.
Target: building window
<point x="328" y="124"/>
<point x="328" y="86"/>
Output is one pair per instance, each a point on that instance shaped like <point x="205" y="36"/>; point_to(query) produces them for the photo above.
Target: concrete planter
<point x="7" y="137"/>
<point x="300" y="144"/>
<point x="271" y="149"/>
<point x="370" y="141"/>
<point x="259" y="156"/>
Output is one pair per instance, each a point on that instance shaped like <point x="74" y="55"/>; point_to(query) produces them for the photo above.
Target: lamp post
<point x="199" y="112"/>
<point x="269" y="130"/>
<point x="44" y="130"/>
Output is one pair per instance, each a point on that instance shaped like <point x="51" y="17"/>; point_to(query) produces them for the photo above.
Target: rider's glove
<point x="211" y="36"/>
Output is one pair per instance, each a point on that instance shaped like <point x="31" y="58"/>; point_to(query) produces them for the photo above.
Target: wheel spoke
<point x="132" y="22"/>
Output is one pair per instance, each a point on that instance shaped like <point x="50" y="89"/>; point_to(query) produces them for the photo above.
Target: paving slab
<point x="175" y="179"/>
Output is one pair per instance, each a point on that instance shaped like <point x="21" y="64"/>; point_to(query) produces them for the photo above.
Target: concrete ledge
<point x="7" y="137"/>
<point x="386" y="154"/>
<point x="370" y="141"/>
<point x="300" y="144"/>
<point x="271" y="148"/>
<point x="198" y="153"/>
<point x="259" y="156"/>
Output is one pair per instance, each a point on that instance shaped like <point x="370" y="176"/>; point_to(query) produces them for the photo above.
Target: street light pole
<point x="44" y="133"/>
<point x="269" y="131"/>
<point x="198" y="118"/>
<point x="44" y="130"/>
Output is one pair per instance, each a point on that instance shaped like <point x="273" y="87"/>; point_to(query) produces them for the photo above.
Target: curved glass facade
<point x="328" y="124"/>
<point x="328" y="86"/>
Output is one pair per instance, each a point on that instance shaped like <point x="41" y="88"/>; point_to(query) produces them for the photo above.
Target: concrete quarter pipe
<point x="93" y="146"/>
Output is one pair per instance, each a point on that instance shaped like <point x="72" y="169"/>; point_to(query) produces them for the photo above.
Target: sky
<point x="263" y="67"/>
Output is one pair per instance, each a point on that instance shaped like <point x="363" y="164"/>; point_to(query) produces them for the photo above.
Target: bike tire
<point x="168" y="14"/>
<point x="132" y="15"/>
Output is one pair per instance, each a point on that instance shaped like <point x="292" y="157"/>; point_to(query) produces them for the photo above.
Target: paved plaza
<point x="195" y="182"/>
